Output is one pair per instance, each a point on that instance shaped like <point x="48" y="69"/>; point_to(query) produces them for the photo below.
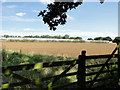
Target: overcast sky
<point x="91" y="19"/>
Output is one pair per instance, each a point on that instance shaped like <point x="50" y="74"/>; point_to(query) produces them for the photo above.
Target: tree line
<point x="43" y="36"/>
<point x="101" y="38"/>
<point x="10" y="36"/>
<point x="66" y="36"/>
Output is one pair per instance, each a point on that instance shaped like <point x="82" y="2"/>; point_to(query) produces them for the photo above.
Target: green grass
<point x="18" y="58"/>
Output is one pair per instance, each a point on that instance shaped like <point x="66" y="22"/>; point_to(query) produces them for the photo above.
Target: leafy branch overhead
<point x="56" y="13"/>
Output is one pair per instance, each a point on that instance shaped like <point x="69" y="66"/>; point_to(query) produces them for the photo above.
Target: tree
<point x="56" y="13"/>
<point x="103" y="38"/>
<point x="79" y="38"/>
<point x="116" y="40"/>
<point x="98" y="38"/>
<point x="107" y="38"/>
<point x="19" y="36"/>
<point x="66" y="37"/>
<point x="89" y="39"/>
<point x="72" y="38"/>
<point x="58" y="37"/>
<point x="6" y="36"/>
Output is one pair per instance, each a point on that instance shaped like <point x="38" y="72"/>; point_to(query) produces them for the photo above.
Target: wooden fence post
<point x="81" y="70"/>
<point x="119" y="64"/>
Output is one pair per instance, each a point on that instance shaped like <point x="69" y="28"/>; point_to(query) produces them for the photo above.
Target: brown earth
<point x="60" y="48"/>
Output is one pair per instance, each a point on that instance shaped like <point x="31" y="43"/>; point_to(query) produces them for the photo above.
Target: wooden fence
<point x="81" y="73"/>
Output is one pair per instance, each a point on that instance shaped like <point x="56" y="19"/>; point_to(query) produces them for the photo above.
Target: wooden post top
<point x="83" y="52"/>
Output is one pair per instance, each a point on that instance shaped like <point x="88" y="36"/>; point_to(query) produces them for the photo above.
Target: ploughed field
<point x="60" y="48"/>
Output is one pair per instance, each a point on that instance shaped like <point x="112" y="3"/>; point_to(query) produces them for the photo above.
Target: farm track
<point x="60" y="48"/>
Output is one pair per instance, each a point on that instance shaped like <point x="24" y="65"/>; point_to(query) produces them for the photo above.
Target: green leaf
<point x="49" y="86"/>
<point x="5" y="86"/>
<point x="7" y="72"/>
<point x="38" y="66"/>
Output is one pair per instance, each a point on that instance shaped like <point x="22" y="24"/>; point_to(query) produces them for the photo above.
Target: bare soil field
<point x="60" y="48"/>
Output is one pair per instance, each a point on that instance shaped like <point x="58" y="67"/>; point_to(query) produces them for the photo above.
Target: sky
<point x="91" y="19"/>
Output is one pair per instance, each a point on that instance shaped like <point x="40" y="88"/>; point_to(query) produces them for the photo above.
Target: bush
<point x="4" y="55"/>
<point x="107" y="38"/>
<point x="89" y="39"/>
<point x="98" y="38"/>
<point x="116" y="40"/>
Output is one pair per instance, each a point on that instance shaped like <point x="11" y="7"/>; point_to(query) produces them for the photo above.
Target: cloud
<point x="19" y="19"/>
<point x="70" y="18"/>
<point x="3" y="0"/>
<point x="35" y="11"/>
<point x="75" y="33"/>
<point x="46" y="1"/>
<point x="20" y="14"/>
<point x="27" y="29"/>
<point x="11" y="6"/>
<point x="90" y="34"/>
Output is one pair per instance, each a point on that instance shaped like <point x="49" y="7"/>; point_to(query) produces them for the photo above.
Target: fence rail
<point x="54" y="64"/>
<point x="37" y="65"/>
<point x="80" y="74"/>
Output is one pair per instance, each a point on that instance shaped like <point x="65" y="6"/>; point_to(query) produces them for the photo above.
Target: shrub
<point x="98" y="38"/>
<point x="107" y="38"/>
<point x="4" y="55"/>
<point x="89" y="39"/>
<point x="116" y="40"/>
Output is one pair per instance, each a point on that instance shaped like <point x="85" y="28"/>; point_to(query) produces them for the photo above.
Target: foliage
<point x="42" y="73"/>
<point x="89" y="39"/>
<point x="116" y="40"/>
<point x="16" y="58"/>
<point x="107" y="38"/>
<point x="103" y="38"/>
<point x="56" y="13"/>
<point x="66" y="36"/>
<point x="98" y="38"/>
<point x="4" y="55"/>
<point x="59" y="17"/>
<point x="11" y="36"/>
<point x="36" y="36"/>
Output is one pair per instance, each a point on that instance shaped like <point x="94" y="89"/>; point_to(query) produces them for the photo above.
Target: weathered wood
<point x="81" y="70"/>
<point x="50" y="64"/>
<point x="31" y="66"/>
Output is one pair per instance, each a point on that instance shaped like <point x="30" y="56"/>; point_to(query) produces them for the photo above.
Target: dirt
<point x="60" y="48"/>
